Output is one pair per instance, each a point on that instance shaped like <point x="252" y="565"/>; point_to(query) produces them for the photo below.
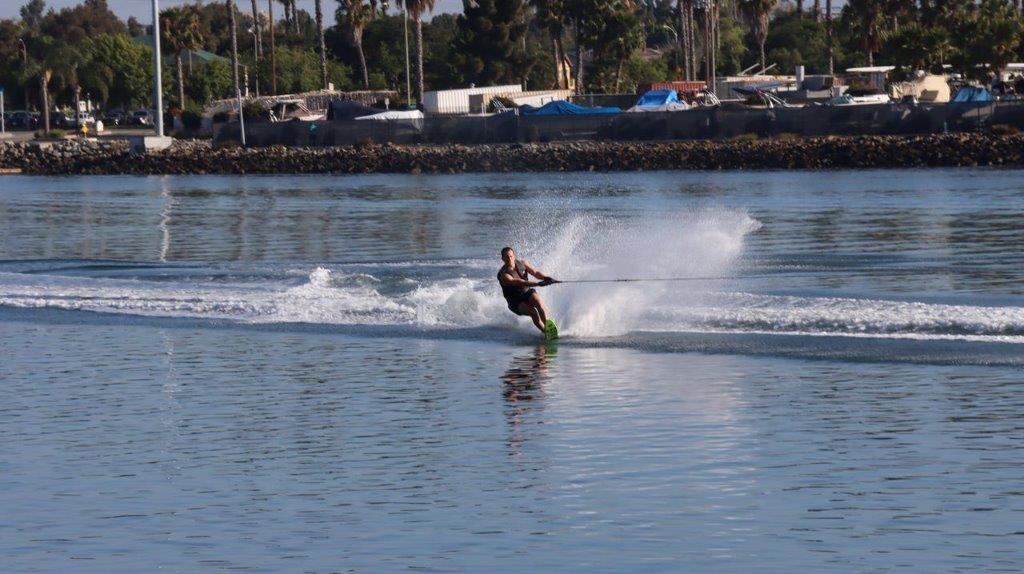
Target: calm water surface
<point x="316" y="374"/>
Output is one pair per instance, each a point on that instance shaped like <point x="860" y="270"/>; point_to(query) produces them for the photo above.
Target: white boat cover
<point x="395" y="115"/>
<point x="673" y="107"/>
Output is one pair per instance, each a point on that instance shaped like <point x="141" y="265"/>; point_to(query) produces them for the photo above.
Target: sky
<point x="142" y="9"/>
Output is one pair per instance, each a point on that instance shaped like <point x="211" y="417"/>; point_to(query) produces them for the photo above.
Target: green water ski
<point x="550" y="330"/>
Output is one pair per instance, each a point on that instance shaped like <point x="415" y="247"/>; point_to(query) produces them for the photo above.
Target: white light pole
<point x="158" y="88"/>
<point x="3" y="120"/>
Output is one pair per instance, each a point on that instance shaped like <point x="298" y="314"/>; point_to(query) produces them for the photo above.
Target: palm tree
<point x="828" y="37"/>
<point x="354" y="15"/>
<point x="291" y="19"/>
<point x="320" y="37"/>
<point x="54" y="62"/>
<point x="180" y="31"/>
<point x="273" y="48"/>
<point x="257" y="30"/>
<point x="867" y="19"/>
<point x="757" y="14"/>
<point x="287" y="19"/>
<point x="417" y="8"/>
<point x="234" y="45"/>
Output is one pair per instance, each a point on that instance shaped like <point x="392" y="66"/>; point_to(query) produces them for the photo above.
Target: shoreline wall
<point x="111" y="157"/>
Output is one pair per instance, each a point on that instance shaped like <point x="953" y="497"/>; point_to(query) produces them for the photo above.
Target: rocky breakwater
<point x="115" y="157"/>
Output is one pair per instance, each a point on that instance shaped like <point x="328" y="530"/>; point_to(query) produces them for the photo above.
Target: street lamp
<point x="24" y="63"/>
<point x="158" y="88"/>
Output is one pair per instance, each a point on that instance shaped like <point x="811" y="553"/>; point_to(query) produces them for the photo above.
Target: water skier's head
<point x="508" y="255"/>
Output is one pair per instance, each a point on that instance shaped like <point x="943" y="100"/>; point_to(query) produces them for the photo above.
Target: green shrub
<point x="192" y="118"/>
<point x="254" y="111"/>
<point x="56" y="134"/>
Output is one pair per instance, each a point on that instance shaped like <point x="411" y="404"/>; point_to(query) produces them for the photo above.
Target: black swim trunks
<point x="513" y="304"/>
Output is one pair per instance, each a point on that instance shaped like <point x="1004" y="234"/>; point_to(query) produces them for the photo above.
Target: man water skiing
<point x="522" y="299"/>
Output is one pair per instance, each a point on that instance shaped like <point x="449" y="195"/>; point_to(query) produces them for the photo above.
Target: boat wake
<point x="433" y="297"/>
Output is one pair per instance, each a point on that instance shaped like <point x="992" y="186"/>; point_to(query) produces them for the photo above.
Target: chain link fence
<point x="726" y="121"/>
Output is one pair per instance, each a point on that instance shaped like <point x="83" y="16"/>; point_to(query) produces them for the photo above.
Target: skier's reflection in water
<point x="523" y="389"/>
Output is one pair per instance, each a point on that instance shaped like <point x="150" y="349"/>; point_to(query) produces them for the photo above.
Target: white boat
<point x="848" y="100"/>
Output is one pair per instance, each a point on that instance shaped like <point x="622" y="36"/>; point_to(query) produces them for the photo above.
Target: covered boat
<point x="563" y="108"/>
<point x="659" y="101"/>
<point x="972" y="94"/>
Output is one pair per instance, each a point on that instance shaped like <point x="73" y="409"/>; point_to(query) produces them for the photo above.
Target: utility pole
<point x="158" y="88"/>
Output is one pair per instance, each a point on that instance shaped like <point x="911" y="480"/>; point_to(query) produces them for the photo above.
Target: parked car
<point x="114" y="118"/>
<point x="24" y="120"/>
<point x="141" y="118"/>
<point x="17" y="119"/>
<point x="61" y="120"/>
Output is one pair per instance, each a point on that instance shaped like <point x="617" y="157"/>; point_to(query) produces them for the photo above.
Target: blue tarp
<point x="658" y="98"/>
<point x="563" y="108"/>
<point x="972" y="94"/>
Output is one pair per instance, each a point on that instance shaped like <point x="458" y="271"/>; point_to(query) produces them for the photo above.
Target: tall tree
<point x="116" y="70"/>
<point x="994" y="34"/>
<point x="829" y="38"/>
<point x="257" y="29"/>
<point x="234" y="44"/>
<point x="582" y="14"/>
<point x="74" y="24"/>
<point x="489" y="40"/>
<point x="864" y="20"/>
<point x="318" y="8"/>
<point x="32" y="14"/>
<point x="180" y="33"/>
<point x="757" y="12"/>
<point x="550" y="15"/>
<point x="286" y="4"/>
<point x="618" y="36"/>
<point x="55" y="65"/>
<point x="417" y="8"/>
<point x="273" y="48"/>
<point x="353" y="16"/>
